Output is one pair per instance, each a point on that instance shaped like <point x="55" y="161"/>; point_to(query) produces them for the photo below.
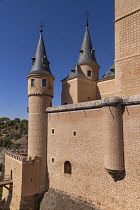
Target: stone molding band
<point x="108" y="101"/>
<point x="40" y="94"/>
<point x="127" y="15"/>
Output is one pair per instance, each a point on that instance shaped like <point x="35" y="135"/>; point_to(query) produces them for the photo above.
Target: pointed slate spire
<point x="87" y="53"/>
<point x="40" y="61"/>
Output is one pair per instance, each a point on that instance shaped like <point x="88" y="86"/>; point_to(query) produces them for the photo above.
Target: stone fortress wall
<point x="25" y="175"/>
<point x="107" y="136"/>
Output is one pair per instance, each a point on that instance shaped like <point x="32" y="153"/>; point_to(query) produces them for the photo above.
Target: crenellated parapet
<point x="21" y="158"/>
<point x="15" y="156"/>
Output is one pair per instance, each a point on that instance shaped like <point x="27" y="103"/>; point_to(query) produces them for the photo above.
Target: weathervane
<point x="87" y="16"/>
<point x="41" y="25"/>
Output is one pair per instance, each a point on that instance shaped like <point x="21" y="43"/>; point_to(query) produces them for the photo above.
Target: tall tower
<point x="80" y="85"/>
<point x="127" y="47"/>
<point x="40" y="94"/>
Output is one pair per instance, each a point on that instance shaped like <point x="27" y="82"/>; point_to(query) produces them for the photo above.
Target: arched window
<point x="67" y="167"/>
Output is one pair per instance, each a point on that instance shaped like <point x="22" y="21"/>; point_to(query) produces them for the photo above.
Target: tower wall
<point x="69" y="92"/>
<point x="39" y="99"/>
<point x="127" y="47"/>
<point x="93" y="67"/>
<point x="86" y="90"/>
<point x="105" y="88"/>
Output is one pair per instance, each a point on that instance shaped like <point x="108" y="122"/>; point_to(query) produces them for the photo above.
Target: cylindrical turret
<point x="40" y="94"/>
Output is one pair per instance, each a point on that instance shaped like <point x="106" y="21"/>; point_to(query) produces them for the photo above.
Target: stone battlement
<point x="20" y="157"/>
<point x="15" y="156"/>
<point x="109" y="101"/>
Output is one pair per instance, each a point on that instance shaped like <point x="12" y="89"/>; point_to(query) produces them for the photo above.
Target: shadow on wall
<point x="7" y="201"/>
<point x="66" y="100"/>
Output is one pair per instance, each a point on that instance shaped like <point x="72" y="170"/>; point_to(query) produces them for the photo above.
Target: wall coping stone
<point x="108" y="101"/>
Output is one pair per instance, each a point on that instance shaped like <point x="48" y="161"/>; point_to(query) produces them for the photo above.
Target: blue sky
<point x="63" y="33"/>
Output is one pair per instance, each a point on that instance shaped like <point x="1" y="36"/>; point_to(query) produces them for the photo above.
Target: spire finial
<point x="41" y="26"/>
<point x="87" y="16"/>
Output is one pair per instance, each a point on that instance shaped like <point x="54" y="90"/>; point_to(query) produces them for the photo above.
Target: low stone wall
<point x="57" y="200"/>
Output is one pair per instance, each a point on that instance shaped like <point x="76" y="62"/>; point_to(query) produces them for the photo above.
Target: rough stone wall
<point x="61" y="201"/>
<point x="127" y="47"/>
<point x="105" y="88"/>
<point x="85" y="151"/>
<point x="31" y="202"/>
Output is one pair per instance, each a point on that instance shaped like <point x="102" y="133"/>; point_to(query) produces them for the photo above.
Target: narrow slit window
<point x="52" y="160"/>
<point x="43" y="82"/>
<point x="67" y="167"/>
<point x="89" y="73"/>
<point x="32" y="82"/>
<point x="74" y="133"/>
<point x="52" y="131"/>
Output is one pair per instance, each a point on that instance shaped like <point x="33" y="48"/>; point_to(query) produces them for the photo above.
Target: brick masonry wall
<point x="127" y="47"/>
<point x="123" y="7"/>
<point x="105" y="88"/>
<point x="85" y="151"/>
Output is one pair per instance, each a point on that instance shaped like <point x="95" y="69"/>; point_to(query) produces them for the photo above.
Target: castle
<point x="88" y="147"/>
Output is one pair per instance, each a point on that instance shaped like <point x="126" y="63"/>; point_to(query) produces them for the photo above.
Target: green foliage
<point x="12" y="130"/>
<point x="0" y="193"/>
<point x="17" y="120"/>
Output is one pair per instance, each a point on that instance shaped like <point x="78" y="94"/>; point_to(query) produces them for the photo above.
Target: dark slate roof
<point x="76" y="71"/>
<point x="87" y="53"/>
<point x="40" y="61"/>
<point x="110" y="73"/>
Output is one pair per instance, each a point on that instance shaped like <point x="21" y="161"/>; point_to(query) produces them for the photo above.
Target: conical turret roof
<point x="75" y="72"/>
<point x="87" y="52"/>
<point x="40" y="61"/>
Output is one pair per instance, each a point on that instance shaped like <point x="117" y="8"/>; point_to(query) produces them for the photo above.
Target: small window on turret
<point x="32" y="82"/>
<point x="33" y="60"/>
<point x="81" y="52"/>
<point x="89" y="73"/>
<point x="44" y="60"/>
<point x="43" y="82"/>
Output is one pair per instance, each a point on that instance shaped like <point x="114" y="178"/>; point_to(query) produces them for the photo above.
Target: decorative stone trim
<point x="108" y="101"/>
<point x="40" y="94"/>
<point x="115" y="174"/>
<point x="127" y="15"/>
